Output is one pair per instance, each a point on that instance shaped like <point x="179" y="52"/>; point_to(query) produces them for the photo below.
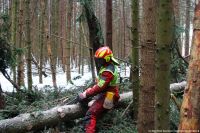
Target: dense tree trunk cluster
<point x="66" y="34"/>
<point x="147" y="82"/>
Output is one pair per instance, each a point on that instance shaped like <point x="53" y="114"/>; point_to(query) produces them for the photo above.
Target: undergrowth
<point x="111" y="122"/>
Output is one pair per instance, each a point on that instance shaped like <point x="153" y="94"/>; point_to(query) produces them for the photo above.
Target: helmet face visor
<point x="100" y="61"/>
<point x="115" y="60"/>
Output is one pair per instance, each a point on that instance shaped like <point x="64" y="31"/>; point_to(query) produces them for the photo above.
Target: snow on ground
<point x="77" y="79"/>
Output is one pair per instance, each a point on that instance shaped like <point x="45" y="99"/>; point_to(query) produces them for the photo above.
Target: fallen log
<point x="40" y="119"/>
<point x="178" y="86"/>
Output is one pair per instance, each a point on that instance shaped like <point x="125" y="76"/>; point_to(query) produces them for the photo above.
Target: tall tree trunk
<point x="164" y="39"/>
<point x="147" y="83"/>
<point x="121" y="5"/>
<point x="124" y="31"/>
<point x="109" y="23"/>
<point x="43" y="5"/>
<point x="135" y="56"/>
<point x="85" y="43"/>
<point x="63" y="9"/>
<point x="190" y="109"/>
<point x="69" y="21"/>
<point x="95" y="32"/>
<point x="120" y="52"/>
<point x="49" y="42"/>
<point x="28" y="43"/>
<point x="15" y="4"/>
<point x="54" y="40"/>
<point x="74" y="48"/>
<point x="80" y="48"/>
<point x="177" y="18"/>
<point x="20" y="67"/>
<point x="187" y="28"/>
<point x="0" y="6"/>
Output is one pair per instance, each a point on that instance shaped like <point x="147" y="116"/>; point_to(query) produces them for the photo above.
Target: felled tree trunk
<point x="40" y="119"/>
<point x="178" y="86"/>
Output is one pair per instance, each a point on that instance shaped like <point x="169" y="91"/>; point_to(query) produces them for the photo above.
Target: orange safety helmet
<point x="105" y="53"/>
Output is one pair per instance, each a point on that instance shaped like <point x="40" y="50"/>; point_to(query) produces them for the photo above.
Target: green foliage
<point x="36" y="100"/>
<point x="5" y="25"/>
<point x="174" y="114"/>
<point x="178" y="70"/>
<point x="5" y="55"/>
<point x="88" y="13"/>
<point x="111" y="122"/>
<point x="8" y="54"/>
<point x="178" y="66"/>
<point x="17" y="103"/>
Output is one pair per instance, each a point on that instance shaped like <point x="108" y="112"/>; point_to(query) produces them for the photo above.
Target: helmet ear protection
<point x="108" y="58"/>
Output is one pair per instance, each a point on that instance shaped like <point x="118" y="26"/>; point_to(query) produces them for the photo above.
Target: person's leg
<point x="92" y="114"/>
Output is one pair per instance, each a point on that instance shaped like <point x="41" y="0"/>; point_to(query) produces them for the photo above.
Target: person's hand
<point x="82" y="96"/>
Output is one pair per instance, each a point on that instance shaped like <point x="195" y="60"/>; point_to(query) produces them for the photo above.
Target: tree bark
<point x="49" y="43"/>
<point x="28" y="43"/>
<point x="177" y="18"/>
<point x="40" y="119"/>
<point x="135" y="56"/>
<point x="15" y="4"/>
<point x="74" y="47"/>
<point x="187" y="28"/>
<point x="63" y="11"/>
<point x="164" y="41"/>
<point x="147" y="81"/>
<point x="69" y="37"/>
<point x="190" y="109"/>
<point x="54" y="40"/>
<point x="109" y="23"/>
<point x="43" y="6"/>
<point x="95" y="32"/>
<point x="20" y="67"/>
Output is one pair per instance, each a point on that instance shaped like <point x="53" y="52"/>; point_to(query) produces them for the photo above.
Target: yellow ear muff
<point x="107" y="58"/>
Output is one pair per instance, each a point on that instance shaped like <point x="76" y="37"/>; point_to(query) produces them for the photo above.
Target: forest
<point x="99" y="66"/>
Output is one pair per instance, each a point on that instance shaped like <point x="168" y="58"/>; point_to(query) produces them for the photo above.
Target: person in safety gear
<point x="105" y="89"/>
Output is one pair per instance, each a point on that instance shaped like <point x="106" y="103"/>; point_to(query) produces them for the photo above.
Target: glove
<point x="82" y="96"/>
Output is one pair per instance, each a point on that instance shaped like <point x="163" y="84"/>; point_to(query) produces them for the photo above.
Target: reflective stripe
<point x="101" y="83"/>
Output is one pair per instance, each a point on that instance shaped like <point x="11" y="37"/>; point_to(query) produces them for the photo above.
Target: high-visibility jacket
<point x="107" y="80"/>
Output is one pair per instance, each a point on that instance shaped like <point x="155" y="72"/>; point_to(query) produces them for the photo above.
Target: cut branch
<point x="37" y="65"/>
<point x="5" y="74"/>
